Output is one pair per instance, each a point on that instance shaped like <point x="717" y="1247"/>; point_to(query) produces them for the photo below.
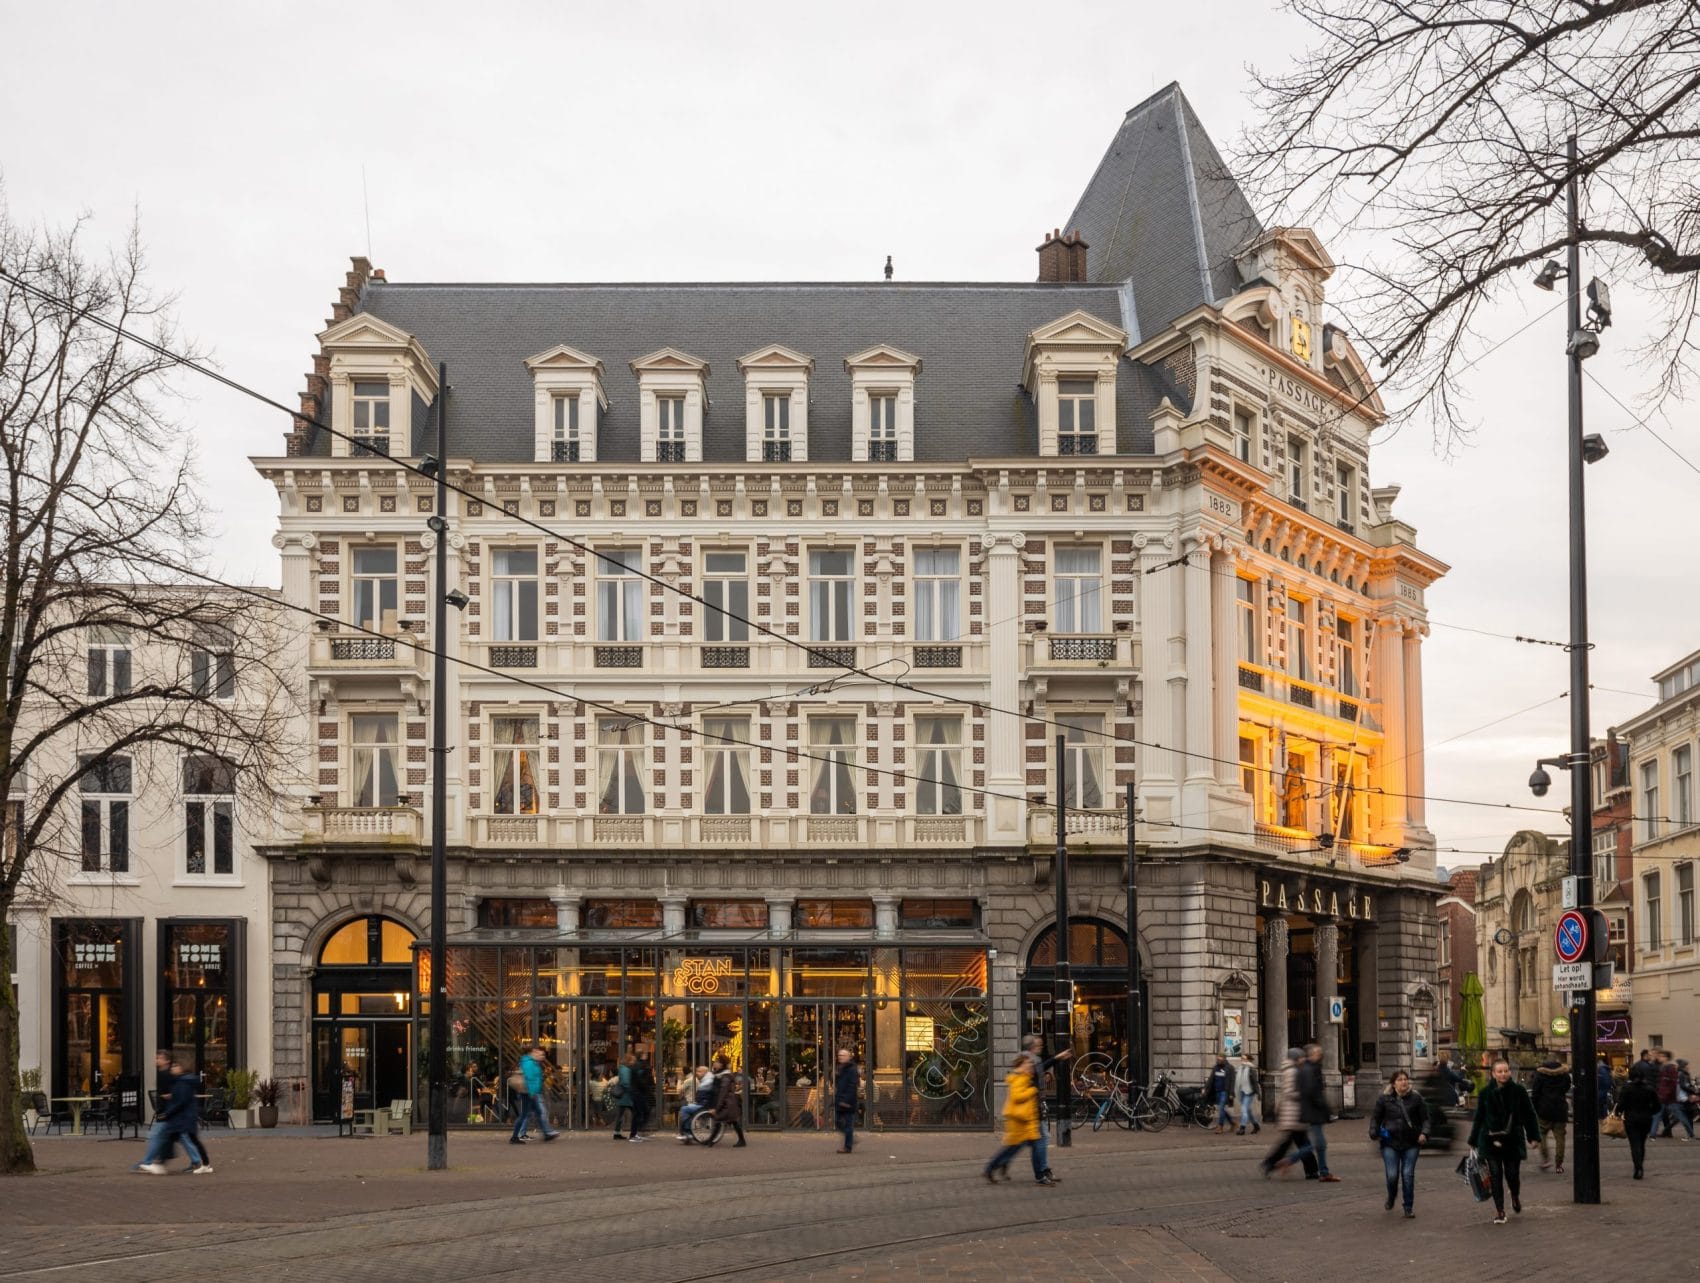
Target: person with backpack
<point x="624" y="1095"/>
<point x="1505" y="1119"/>
<point x="1551" y="1097"/>
<point x="1246" y="1087"/>
<point x="1399" y="1125"/>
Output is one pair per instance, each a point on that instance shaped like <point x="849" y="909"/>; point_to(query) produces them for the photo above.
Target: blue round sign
<point x="1570" y="938"/>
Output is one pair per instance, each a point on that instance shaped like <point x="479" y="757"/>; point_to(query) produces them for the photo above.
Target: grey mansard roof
<point x="1163" y="212"/>
<point x="970" y="338"/>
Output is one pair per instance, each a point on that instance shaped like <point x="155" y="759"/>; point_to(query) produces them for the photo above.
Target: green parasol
<point x="1472" y="1024"/>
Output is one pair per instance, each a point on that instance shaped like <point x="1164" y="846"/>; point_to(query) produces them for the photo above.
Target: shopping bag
<point x="1475" y="1175"/>
<point x="1612" y="1125"/>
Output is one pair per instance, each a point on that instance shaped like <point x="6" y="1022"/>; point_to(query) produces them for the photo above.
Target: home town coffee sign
<point x="1317" y="899"/>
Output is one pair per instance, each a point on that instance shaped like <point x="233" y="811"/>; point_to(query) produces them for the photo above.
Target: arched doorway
<point x="1097" y="954"/>
<point x="362" y="1015"/>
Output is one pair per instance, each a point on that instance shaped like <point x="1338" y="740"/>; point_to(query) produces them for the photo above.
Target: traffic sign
<point x="1336" y="1010"/>
<point x="1570" y="939"/>
<point x="1572" y="976"/>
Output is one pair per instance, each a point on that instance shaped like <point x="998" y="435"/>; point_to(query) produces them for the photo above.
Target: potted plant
<point x="239" y="1093"/>
<point x="267" y="1092"/>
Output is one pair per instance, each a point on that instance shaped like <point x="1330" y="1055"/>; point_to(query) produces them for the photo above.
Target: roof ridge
<point x="747" y="285"/>
<point x="1173" y="87"/>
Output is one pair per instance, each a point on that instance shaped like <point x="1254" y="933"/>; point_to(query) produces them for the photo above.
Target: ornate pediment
<point x="563" y="357"/>
<point x="883" y="357"/>
<point x="670" y="359"/>
<point x="776" y="356"/>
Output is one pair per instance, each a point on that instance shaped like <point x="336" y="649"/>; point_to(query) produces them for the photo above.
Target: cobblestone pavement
<point x="1180" y="1206"/>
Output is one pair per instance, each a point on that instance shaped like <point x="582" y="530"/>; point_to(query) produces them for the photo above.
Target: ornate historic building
<point x="776" y="598"/>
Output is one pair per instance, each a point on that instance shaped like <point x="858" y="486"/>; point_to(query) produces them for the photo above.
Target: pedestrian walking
<point x="1020" y="1121"/>
<point x="1638" y="1102"/>
<point x="1399" y="1125"/>
<point x="531" y="1099"/>
<point x="1447" y="1080"/>
<point x="1505" y="1120"/>
<point x="1313" y="1108"/>
<point x="1645" y="1068"/>
<point x="728" y="1103"/>
<point x="1032" y="1045"/>
<point x="1246" y="1088"/>
<point x="181" y="1116"/>
<point x="1289" y="1118"/>
<point x="643" y="1095"/>
<point x="1672" y="1099"/>
<point x="1603" y="1086"/>
<point x="1217" y="1089"/>
<point x="161" y="1095"/>
<point x="1550" y="1095"/>
<point x="625" y="1095"/>
<point x="846" y="1091"/>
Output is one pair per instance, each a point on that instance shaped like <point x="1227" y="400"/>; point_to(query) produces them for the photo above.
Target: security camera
<point x="456" y="598"/>
<point x="1540" y="782"/>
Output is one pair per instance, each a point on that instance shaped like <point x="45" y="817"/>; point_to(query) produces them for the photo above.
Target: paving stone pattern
<point x="1185" y="1206"/>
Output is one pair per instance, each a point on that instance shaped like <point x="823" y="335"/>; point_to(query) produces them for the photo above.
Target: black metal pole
<point x="1585" y="1156"/>
<point x="1063" y="992"/>
<point x="436" y="1064"/>
<point x="1136" y="1069"/>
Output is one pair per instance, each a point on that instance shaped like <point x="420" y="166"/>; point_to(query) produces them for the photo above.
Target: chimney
<point x="1062" y="258"/>
<point x="888" y="267"/>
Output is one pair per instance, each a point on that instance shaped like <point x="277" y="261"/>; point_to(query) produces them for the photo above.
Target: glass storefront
<point x="200" y="999"/>
<point x="363" y="1016"/>
<point x="916" y="1017"/>
<point x="97" y="997"/>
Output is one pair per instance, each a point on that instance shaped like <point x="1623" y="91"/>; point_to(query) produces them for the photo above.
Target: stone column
<point x="1389" y="772"/>
<point x="673" y="914"/>
<point x="779" y="915"/>
<point x="1327" y="989"/>
<point x="1415" y="767"/>
<point x="1195" y="682"/>
<point x="566" y="909"/>
<point x="885" y="917"/>
<point x="1274" y="1030"/>
<point x="1157" y="643"/>
<point x="1006" y="820"/>
<point x="1224" y="667"/>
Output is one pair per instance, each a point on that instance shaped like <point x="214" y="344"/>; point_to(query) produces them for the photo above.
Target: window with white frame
<point x="776" y="427"/>
<point x="1685" y="903"/>
<point x="1245" y="593"/>
<point x="566" y="444"/>
<point x="1445" y="943"/>
<point x="105" y="789"/>
<point x="1298" y="652"/>
<point x="1345" y="632"/>
<point x="831" y="594"/>
<point x="936" y="615"/>
<point x="619" y="766"/>
<point x="670" y="429"/>
<point x="1682" y="785"/>
<point x="1605" y="859"/>
<point x="832" y="749"/>
<point x="725" y="746"/>
<point x="938" y="761"/>
<point x="514" y="756"/>
<point x="882" y="427"/>
<point x="1084" y="755"/>
<point x="374" y="588"/>
<point x="209" y="816"/>
<point x="108" y="663"/>
<point x="1077" y="416"/>
<point x="1649" y="800"/>
<point x="212" y="671"/>
<point x="1345" y="494"/>
<point x="1597" y="780"/>
<point x="1298" y="471"/>
<point x="1443" y="990"/>
<point x="726" y="589"/>
<point x="1076" y="600"/>
<point x="373" y="760"/>
<point x="513" y="594"/>
<point x="619" y="595"/>
<point x="371" y="416"/>
<point x="1617" y="941"/>
<point x="1245" y="433"/>
<point x="1650" y="910"/>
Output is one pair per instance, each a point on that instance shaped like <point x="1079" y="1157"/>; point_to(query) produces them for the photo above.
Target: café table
<point x="77" y="1104"/>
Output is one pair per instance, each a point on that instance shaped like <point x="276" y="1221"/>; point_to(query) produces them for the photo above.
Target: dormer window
<point x="567" y="401"/>
<point x="882" y="427"/>
<point x="776" y="432"/>
<point x="1077" y="416"/>
<point x="371" y="416"/>
<point x="564" y="446"/>
<point x="670" y="429"/>
<point x="776" y="404"/>
<point x="1069" y="369"/>
<point x="672" y="399"/>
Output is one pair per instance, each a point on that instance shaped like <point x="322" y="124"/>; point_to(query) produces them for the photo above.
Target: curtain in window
<point x="1077" y="604"/>
<point x="375" y="779"/>
<point x="939" y="791"/>
<point x="728" y="782"/>
<point x="833" y="792"/>
<point x="617" y="764"/>
<point x="516" y="783"/>
<point x="938" y="599"/>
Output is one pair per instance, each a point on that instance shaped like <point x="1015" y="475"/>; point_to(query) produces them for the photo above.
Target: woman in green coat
<point x="1504" y="1127"/>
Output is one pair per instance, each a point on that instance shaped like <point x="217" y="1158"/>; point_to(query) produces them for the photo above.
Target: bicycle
<point x="1140" y="1110"/>
<point x="1189" y="1105"/>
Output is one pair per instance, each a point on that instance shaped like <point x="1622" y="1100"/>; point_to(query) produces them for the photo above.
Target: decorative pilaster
<point x="1416" y="772"/>
<point x="1274" y="1029"/>
<point x="885" y="917"/>
<point x="673" y="914"/>
<point x="1163" y="668"/>
<point x="1006" y="819"/>
<point x="779" y="915"/>
<point x="1327" y="989"/>
<point x="1390" y="772"/>
<point x="567" y="905"/>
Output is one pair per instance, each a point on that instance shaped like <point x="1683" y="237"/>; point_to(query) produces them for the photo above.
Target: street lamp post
<point x="436" y="1060"/>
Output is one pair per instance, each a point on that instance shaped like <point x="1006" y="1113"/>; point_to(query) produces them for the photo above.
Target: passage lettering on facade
<point x="1311" y="898"/>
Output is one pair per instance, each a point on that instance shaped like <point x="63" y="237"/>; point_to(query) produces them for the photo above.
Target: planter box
<point x="241" y="1118"/>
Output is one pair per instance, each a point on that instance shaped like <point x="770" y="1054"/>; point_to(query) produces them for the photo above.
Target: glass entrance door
<point x="814" y="1031"/>
<point x="583" y="1041"/>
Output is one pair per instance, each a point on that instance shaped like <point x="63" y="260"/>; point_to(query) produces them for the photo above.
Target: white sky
<point x="785" y="142"/>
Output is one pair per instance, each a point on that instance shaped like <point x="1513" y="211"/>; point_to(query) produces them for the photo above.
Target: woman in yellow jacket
<point x="1020" y="1121"/>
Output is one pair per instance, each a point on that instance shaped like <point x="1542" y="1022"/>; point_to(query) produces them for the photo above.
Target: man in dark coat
<point x="846" y="1091"/>
<point x="1671" y="1110"/>
<point x="1313" y="1108"/>
<point x="1550" y="1093"/>
<point x="728" y="1103"/>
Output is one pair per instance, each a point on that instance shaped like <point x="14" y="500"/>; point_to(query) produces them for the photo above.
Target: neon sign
<point x="700" y="975"/>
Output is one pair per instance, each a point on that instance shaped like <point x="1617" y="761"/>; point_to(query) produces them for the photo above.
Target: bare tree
<point x="103" y="529"/>
<point x="1434" y="130"/>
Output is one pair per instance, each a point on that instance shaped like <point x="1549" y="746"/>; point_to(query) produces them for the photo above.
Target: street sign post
<point x="1570" y="940"/>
